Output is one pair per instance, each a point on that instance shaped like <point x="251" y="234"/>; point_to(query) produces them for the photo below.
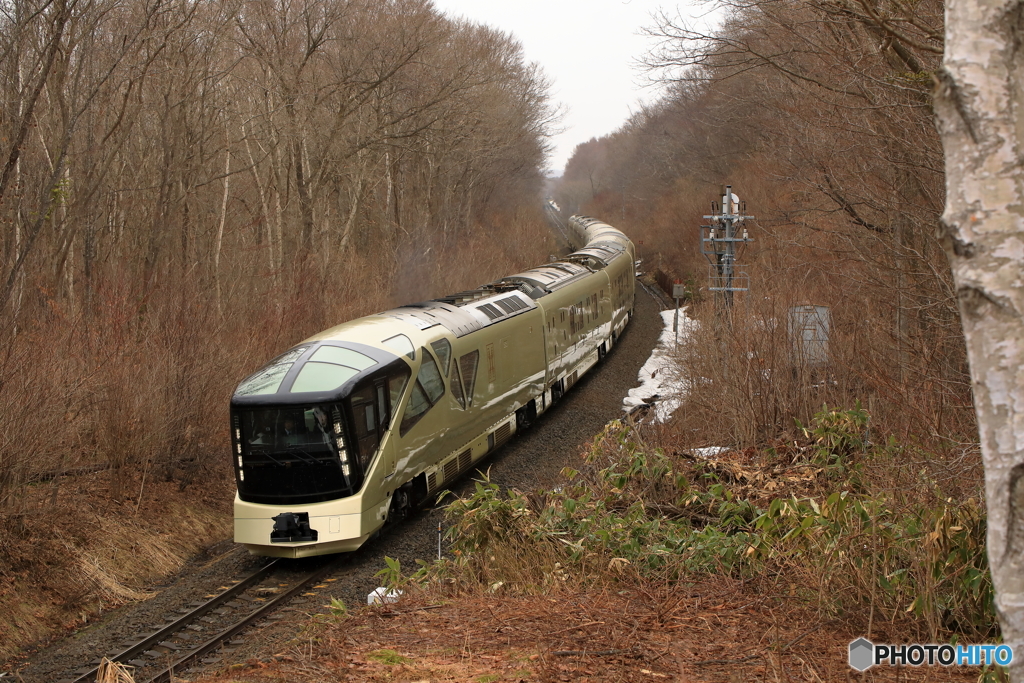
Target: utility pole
<point x="721" y="242"/>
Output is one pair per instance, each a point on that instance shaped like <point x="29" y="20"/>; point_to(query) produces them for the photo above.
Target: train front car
<point x="308" y="431"/>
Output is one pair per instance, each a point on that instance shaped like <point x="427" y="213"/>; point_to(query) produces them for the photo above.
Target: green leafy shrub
<point x="636" y="511"/>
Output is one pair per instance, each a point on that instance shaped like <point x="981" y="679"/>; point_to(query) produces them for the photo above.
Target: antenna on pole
<point x="721" y="242"/>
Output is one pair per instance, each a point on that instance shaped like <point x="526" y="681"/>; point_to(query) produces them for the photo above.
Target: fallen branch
<point x="410" y="611"/>
<point x="729" y="661"/>
<point x="596" y="653"/>
<point x="572" y="628"/>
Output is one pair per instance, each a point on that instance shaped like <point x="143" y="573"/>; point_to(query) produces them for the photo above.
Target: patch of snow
<point x="659" y="384"/>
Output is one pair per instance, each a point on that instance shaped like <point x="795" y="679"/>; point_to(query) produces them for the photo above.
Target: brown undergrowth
<point x="835" y="519"/>
<point x="713" y="629"/>
<point x="85" y="553"/>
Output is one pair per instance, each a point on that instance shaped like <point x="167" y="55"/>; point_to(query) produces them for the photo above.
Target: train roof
<point x="464" y="312"/>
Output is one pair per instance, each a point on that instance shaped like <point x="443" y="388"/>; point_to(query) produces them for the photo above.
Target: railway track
<point x="197" y="633"/>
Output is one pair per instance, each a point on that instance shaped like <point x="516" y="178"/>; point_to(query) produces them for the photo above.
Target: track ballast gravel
<point x="528" y="462"/>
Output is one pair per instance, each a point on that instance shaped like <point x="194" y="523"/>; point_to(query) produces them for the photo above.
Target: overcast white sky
<point x="588" y="48"/>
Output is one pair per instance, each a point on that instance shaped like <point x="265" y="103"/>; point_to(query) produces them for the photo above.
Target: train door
<point x="380" y="387"/>
<point x="506" y="364"/>
<point x="371" y="414"/>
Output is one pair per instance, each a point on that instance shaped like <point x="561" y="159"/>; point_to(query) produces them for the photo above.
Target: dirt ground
<point x="717" y="630"/>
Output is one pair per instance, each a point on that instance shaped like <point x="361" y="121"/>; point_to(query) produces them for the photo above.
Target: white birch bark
<point x="16" y="299"/>
<point x="978" y="102"/>
<point x="223" y="218"/>
<point x="263" y="201"/>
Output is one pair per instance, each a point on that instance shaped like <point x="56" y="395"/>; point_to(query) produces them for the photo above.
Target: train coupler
<point x="292" y="527"/>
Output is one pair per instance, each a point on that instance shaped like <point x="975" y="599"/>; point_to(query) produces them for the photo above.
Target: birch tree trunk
<point x="265" y="216"/>
<point x="978" y="103"/>
<point x="223" y="218"/>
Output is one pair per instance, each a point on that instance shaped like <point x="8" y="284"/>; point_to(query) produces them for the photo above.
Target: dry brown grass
<point x="63" y="566"/>
<point x="718" y="630"/>
<point x="113" y="672"/>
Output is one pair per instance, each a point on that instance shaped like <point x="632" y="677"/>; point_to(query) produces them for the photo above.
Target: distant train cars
<point x="362" y="422"/>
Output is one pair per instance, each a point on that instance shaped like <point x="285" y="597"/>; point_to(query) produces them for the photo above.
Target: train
<point x="357" y="425"/>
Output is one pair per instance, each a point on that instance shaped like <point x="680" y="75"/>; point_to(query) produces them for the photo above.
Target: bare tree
<point x="978" y="109"/>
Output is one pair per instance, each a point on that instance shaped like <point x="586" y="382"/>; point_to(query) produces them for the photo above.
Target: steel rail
<point x="178" y="624"/>
<point x="654" y="294"/>
<point x="213" y="643"/>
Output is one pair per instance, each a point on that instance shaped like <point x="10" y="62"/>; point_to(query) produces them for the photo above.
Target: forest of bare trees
<point x="187" y="188"/>
<point x="819" y="113"/>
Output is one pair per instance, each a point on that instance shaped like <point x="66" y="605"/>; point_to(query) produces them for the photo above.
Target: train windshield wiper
<point x="266" y="454"/>
<point x="312" y="459"/>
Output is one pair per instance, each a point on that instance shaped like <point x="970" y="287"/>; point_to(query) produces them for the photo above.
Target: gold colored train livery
<point x="360" y="423"/>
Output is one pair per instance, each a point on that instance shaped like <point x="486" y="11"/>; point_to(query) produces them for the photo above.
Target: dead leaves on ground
<point x="714" y="631"/>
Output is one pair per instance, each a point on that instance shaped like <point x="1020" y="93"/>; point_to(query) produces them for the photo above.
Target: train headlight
<point x="343" y="455"/>
<point x="337" y="428"/>
<point x="341" y="442"/>
<point x="345" y="469"/>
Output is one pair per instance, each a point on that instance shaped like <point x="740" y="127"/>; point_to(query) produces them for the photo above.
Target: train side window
<point x="418" y="406"/>
<point x="396" y="385"/>
<point x="467" y="368"/>
<point x="402" y="344"/>
<point x="443" y="349"/>
<point x="456" y="380"/>
<point x="427" y="390"/>
<point x="430" y="378"/>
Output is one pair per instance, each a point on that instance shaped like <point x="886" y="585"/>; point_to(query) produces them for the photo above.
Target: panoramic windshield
<point x="288" y="428"/>
<point x="294" y="454"/>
